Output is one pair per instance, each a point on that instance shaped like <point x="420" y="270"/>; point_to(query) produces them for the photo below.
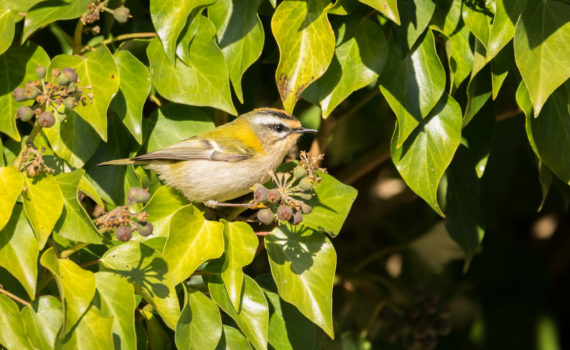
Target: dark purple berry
<point x="273" y="196"/>
<point x="25" y="113"/>
<point x="138" y="195"/>
<point x="284" y="212"/>
<point x="121" y="14"/>
<point x="19" y="94"/>
<point x="124" y="233"/>
<point x="297" y="218"/>
<point x="265" y="216"/>
<point x="41" y="71"/>
<point x="46" y="120"/>
<point x="66" y="76"/>
<point x="145" y="228"/>
<point x="260" y="193"/>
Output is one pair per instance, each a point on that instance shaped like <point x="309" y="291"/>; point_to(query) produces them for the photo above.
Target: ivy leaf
<point x="148" y="271"/>
<point x="172" y="122"/>
<point x="446" y="16"/>
<point x="303" y="263"/>
<point x="170" y="17"/>
<point x="415" y="16"/>
<point x="503" y="28"/>
<point x="117" y="299"/>
<point x="98" y="71"/>
<point x="72" y="139"/>
<point x="253" y="316"/>
<point x="500" y="66"/>
<point x="164" y="203"/>
<point x="413" y="84"/>
<point x="478" y="137"/>
<point x="42" y="320"/>
<point x="17" y="66"/>
<point x="76" y="288"/>
<point x="7" y="22"/>
<point x="548" y="135"/>
<point x="192" y="240"/>
<point x="477" y="16"/>
<point x="92" y="332"/>
<point x="331" y="205"/>
<point x="241" y="44"/>
<point x="201" y="79"/>
<point x="423" y="158"/>
<point x="43" y="204"/>
<point x="232" y="339"/>
<point x="479" y="90"/>
<point x="541" y="50"/>
<point x="200" y="323"/>
<point x="459" y="55"/>
<point x="288" y="328"/>
<point x="388" y="8"/>
<point x="51" y="11"/>
<point x="134" y="88"/>
<point x="19" y="250"/>
<point x="306" y="46"/>
<point x="359" y="57"/>
<point x="11" y="184"/>
<point x="13" y="335"/>
<point x="240" y="244"/>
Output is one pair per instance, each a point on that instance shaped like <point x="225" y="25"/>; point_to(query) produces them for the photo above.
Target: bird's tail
<point x="124" y="161"/>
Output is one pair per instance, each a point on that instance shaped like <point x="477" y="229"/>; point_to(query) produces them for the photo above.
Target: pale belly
<point x="204" y="180"/>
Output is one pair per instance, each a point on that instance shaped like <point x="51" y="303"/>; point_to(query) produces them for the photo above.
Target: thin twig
<point x="15" y="297"/>
<point x="129" y="36"/>
<point x="262" y="233"/>
<point x="92" y="262"/>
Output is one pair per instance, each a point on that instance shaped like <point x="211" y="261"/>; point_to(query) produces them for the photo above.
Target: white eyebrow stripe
<point x="269" y="119"/>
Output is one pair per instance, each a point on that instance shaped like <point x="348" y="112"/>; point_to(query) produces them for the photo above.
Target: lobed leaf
<point x="503" y="28"/>
<point x="51" y="11"/>
<point x="415" y="16"/>
<point x="13" y="335"/>
<point x="459" y="56"/>
<point x="42" y="320"/>
<point x="200" y="323"/>
<point x="11" y="184"/>
<point x="388" y="8"/>
<point x="446" y="16"/>
<point x="93" y="332"/>
<point x="233" y="339"/>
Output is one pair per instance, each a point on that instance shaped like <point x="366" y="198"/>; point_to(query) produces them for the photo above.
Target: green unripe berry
<point x="32" y="92"/>
<point x="297" y="218"/>
<point x="66" y="76"/>
<point x="70" y="103"/>
<point x="19" y="94"/>
<point x="265" y="216"/>
<point x="41" y="71"/>
<point x="299" y="172"/>
<point x="124" y="233"/>
<point x="260" y="193"/>
<point x="25" y="113"/>
<point x="138" y="195"/>
<point x="284" y="212"/>
<point x="306" y="209"/>
<point x="46" y="119"/>
<point x="305" y="184"/>
<point x="273" y="196"/>
<point x="145" y="228"/>
<point x="121" y="14"/>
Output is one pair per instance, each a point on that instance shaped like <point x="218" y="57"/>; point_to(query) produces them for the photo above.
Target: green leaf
<point x="13" y="335"/>
<point x="413" y="84"/>
<point x="303" y="263"/>
<point x="331" y="205"/>
<point x="43" y="319"/>
<point x="117" y="299"/>
<point x="158" y="338"/>
<point x="11" y="184"/>
<point x="545" y="179"/>
<point x="240" y="244"/>
<point x="360" y="56"/>
<point x="478" y="137"/>
<point x="548" y="135"/>
<point x="479" y="91"/>
<point x="76" y="288"/>
<point x="18" y="6"/>
<point x="17" y="66"/>
<point x="240" y="36"/>
<point x="170" y="17"/>
<point x="477" y="16"/>
<point x="415" y="16"/>
<point x="201" y="79"/>
<point x="173" y="122"/>
<point x="423" y="158"/>
<point x="500" y="69"/>
<point x="233" y="339"/>
<point x="93" y="332"/>
<point x="165" y="202"/>
<point x="134" y="88"/>
<point x="51" y="11"/>
<point x="72" y="139"/>
<point x="88" y="189"/>
<point x="99" y="71"/>
<point x="459" y="194"/>
<point x="148" y="271"/>
<point x="7" y="22"/>
<point x="288" y="328"/>
<point x="43" y="204"/>
<point x="446" y="16"/>
<point x="19" y="250"/>
<point x="542" y="52"/>
<point x="507" y="13"/>
<point x="459" y="55"/>
<point x="192" y="241"/>
<point x="200" y="323"/>
<point x="253" y="317"/>
<point x="306" y="46"/>
<point x="388" y="8"/>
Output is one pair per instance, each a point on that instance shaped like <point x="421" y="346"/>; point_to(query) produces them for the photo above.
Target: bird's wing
<point x="195" y="148"/>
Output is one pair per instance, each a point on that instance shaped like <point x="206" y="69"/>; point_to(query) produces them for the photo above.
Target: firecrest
<point x="225" y="162"/>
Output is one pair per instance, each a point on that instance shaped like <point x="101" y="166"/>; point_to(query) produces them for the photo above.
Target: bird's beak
<point x="302" y="130"/>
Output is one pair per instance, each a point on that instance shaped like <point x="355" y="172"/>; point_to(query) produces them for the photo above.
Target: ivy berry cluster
<point x="49" y="95"/>
<point x="287" y="201"/>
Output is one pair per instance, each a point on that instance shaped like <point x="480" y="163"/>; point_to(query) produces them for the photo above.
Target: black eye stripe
<point x="279" y="127"/>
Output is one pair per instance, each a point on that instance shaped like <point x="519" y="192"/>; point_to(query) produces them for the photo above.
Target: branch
<point x="15" y="297"/>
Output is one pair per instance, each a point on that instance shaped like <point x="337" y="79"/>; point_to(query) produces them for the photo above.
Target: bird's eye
<point x="278" y="127"/>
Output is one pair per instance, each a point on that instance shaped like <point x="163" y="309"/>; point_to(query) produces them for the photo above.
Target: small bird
<point x="224" y="163"/>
